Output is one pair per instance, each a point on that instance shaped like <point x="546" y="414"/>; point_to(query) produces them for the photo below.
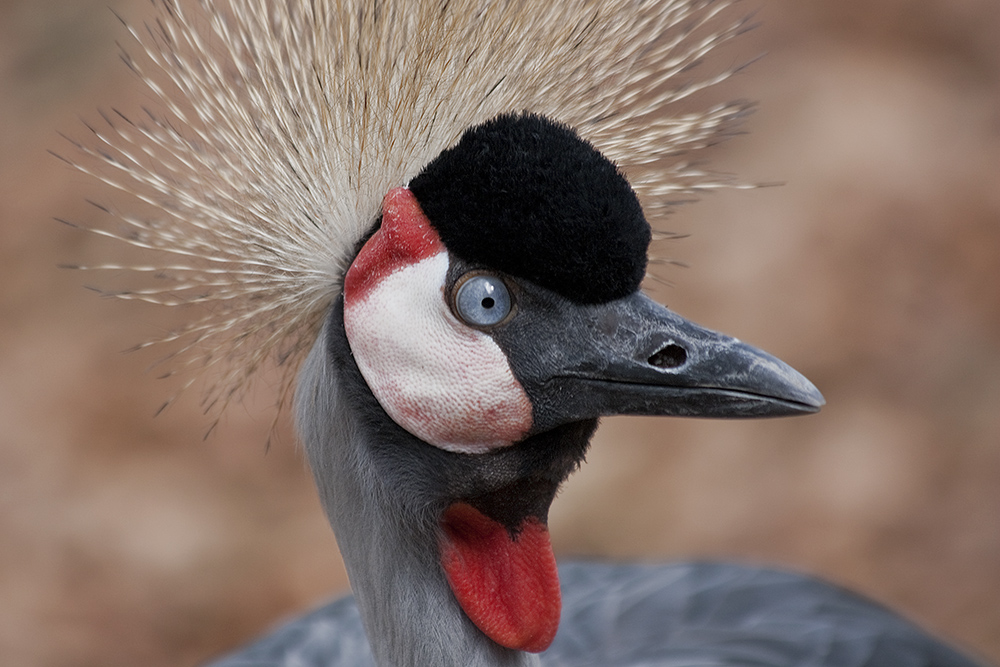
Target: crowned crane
<point x="473" y="305"/>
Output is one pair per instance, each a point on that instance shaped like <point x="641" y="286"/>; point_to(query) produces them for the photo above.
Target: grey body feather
<point x="697" y="615"/>
<point x="686" y="614"/>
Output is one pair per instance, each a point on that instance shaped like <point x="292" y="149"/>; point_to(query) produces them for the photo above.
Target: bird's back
<point x="686" y="614"/>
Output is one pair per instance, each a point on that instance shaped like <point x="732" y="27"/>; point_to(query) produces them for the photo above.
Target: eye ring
<point x="482" y="300"/>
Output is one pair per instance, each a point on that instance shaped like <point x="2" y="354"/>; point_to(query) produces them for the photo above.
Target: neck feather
<point x="385" y="522"/>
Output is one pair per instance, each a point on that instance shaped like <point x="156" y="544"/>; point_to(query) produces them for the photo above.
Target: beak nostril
<point x="670" y="356"/>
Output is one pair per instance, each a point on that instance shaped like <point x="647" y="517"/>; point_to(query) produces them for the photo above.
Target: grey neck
<point x="386" y="530"/>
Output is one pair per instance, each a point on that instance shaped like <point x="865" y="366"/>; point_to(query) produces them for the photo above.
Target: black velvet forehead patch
<point x="529" y="197"/>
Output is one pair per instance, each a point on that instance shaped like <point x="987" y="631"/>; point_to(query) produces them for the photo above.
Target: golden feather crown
<point x="283" y="123"/>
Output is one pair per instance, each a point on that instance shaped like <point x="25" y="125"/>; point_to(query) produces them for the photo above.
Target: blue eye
<point x="482" y="301"/>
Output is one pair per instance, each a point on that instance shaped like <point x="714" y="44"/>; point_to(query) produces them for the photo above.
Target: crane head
<point x="495" y="312"/>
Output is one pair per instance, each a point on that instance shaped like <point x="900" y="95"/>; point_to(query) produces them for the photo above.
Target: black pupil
<point x="488" y="302"/>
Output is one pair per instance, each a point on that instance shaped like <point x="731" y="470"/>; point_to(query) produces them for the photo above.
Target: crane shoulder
<point x="699" y="614"/>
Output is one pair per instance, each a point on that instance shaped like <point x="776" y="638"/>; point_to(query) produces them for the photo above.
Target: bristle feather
<point x="284" y="123"/>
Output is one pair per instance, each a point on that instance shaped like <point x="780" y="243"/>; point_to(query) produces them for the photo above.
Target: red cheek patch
<point x="405" y="238"/>
<point x="444" y="382"/>
<point x="508" y="587"/>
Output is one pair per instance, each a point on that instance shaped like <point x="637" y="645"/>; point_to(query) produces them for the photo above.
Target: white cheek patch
<point x="447" y="384"/>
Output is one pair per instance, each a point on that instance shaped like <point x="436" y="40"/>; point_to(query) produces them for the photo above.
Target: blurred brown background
<point x="127" y="540"/>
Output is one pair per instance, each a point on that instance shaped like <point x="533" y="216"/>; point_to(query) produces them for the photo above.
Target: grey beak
<point x="635" y="357"/>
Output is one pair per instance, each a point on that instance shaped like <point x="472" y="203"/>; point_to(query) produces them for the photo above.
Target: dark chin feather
<point x="507" y="484"/>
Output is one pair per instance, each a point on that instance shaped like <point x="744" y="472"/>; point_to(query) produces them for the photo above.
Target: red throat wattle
<point x="508" y="586"/>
